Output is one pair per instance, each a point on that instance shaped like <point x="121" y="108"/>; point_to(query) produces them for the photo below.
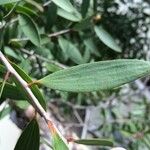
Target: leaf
<point x="89" y="43"/>
<point x="70" y="49"/>
<point x="64" y="4"/>
<point x="106" y="38"/>
<point x="97" y="76"/>
<point x="95" y="142"/>
<point x="83" y="24"/>
<point x="53" y="67"/>
<point x="57" y="141"/>
<point x="3" y="2"/>
<point x="74" y="16"/>
<point x="84" y="7"/>
<point x="10" y="91"/>
<point x="29" y="28"/>
<point x="11" y="53"/>
<point x="51" y="15"/>
<point x="30" y="138"/>
<point x="4" y="112"/>
<point x="58" y="144"/>
<point x="33" y="88"/>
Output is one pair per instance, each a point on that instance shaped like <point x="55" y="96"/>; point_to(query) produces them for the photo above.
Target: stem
<point x="34" y="100"/>
<point x="4" y="82"/>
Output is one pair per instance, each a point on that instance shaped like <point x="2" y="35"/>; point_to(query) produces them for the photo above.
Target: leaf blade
<point x="97" y="76"/>
<point x="29" y="28"/>
<point x="64" y="4"/>
<point x="95" y="142"/>
<point x="30" y="138"/>
<point x="3" y="2"/>
<point x="106" y="38"/>
<point x="33" y="88"/>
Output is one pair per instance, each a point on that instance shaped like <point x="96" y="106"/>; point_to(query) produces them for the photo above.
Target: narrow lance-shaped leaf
<point x="71" y="50"/>
<point x="3" y="2"/>
<point x="95" y="142"/>
<point x="64" y="4"/>
<point x="10" y="91"/>
<point x="34" y="88"/>
<point x="57" y="142"/>
<point x="29" y="28"/>
<point x="30" y="138"/>
<point x="106" y="38"/>
<point x="84" y="7"/>
<point x="96" y="76"/>
<point x="73" y="16"/>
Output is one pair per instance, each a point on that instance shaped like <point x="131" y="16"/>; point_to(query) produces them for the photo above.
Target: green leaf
<point x="10" y="91"/>
<point x="73" y="16"/>
<point x="53" y="67"/>
<point x="95" y="142"/>
<point x="96" y="76"/>
<point x="3" y="2"/>
<point x="58" y="144"/>
<point x="71" y="50"/>
<point x="89" y="43"/>
<point x="4" y="112"/>
<point x="64" y="4"/>
<point x="84" y="7"/>
<point x="29" y="28"/>
<point x="106" y="38"/>
<point x="33" y="88"/>
<point x="30" y="138"/>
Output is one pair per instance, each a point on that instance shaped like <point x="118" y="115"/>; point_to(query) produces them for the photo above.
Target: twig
<point x="4" y="82"/>
<point x="85" y="127"/>
<point x="55" y="34"/>
<point x="43" y="58"/>
<point x="59" y="33"/>
<point x="33" y="99"/>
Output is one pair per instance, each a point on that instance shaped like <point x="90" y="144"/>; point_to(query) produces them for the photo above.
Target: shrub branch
<point x="34" y="100"/>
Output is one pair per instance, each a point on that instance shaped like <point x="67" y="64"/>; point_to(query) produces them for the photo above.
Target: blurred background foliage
<point x="42" y="37"/>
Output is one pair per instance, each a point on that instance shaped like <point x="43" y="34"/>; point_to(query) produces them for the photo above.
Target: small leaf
<point x="53" y="67"/>
<point x="106" y="38"/>
<point x="34" y="88"/>
<point x="96" y="76"/>
<point x="64" y="4"/>
<point x="84" y="7"/>
<point x="10" y="91"/>
<point x="3" y="2"/>
<point x="30" y="138"/>
<point x="29" y="28"/>
<point x="4" y="112"/>
<point x="89" y="43"/>
<point x="58" y="143"/>
<point x="70" y="49"/>
<point x="95" y="142"/>
<point x="73" y="16"/>
<point x="83" y="24"/>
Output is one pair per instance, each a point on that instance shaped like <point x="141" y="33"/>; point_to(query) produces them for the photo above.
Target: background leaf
<point x="96" y="76"/>
<point x="11" y="92"/>
<point x="71" y="50"/>
<point x="2" y="2"/>
<point x="98" y="142"/>
<point x="29" y="28"/>
<point x="70" y="16"/>
<point x="84" y="7"/>
<point x="34" y="88"/>
<point x="30" y="138"/>
<point x="106" y="38"/>
<point x="64" y="4"/>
